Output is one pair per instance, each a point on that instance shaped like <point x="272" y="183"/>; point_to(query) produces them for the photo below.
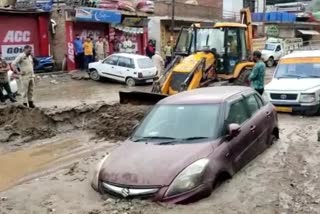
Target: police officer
<point x="25" y="63"/>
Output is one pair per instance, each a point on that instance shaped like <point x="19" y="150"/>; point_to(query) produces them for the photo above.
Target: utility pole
<point x="264" y="16"/>
<point x="172" y="18"/>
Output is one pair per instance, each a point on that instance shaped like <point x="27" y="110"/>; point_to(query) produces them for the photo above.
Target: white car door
<point x="278" y="52"/>
<point x="109" y="66"/>
<point x="126" y="67"/>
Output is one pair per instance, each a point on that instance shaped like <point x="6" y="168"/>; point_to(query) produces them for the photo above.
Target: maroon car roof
<point x="217" y="94"/>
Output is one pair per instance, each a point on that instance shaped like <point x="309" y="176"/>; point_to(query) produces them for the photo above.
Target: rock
<point x="115" y="212"/>
<point x="285" y="200"/>
<point x="110" y="200"/>
<point x="3" y="199"/>
<point x="95" y="211"/>
<point x="318" y="135"/>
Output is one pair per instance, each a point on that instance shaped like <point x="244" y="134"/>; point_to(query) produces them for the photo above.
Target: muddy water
<point x="18" y="164"/>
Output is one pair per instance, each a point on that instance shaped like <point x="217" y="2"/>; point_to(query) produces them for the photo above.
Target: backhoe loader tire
<point x="243" y="78"/>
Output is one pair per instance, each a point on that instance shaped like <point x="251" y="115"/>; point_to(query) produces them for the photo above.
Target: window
<point x="259" y="100"/>
<point x="278" y="48"/>
<point x="125" y="62"/>
<point x="145" y="63"/>
<point x="238" y="113"/>
<point x="253" y="106"/>
<point x="112" y="60"/>
<point x="181" y="122"/>
<point x="298" y="70"/>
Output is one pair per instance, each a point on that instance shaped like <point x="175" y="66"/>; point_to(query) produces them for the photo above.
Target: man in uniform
<point x="25" y="63"/>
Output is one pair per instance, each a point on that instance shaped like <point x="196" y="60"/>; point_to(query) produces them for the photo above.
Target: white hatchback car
<point x="129" y="68"/>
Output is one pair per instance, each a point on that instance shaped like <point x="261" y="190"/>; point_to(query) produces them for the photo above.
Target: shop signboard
<point x="273" y="31"/>
<point x="97" y="15"/>
<point x="10" y="52"/>
<point x="135" y="21"/>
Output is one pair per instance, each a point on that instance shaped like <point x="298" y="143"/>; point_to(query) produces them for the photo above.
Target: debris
<point x="55" y="82"/>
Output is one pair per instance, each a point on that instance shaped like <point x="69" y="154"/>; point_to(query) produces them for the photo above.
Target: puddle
<point x="18" y="164"/>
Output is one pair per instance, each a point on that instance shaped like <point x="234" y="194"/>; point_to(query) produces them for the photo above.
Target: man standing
<point x="159" y="63"/>
<point x="106" y="47"/>
<point x="99" y="47"/>
<point x="150" y="50"/>
<point x="258" y="72"/>
<point x="4" y="82"/>
<point x="127" y="45"/>
<point x="88" y="52"/>
<point x="78" y="46"/>
<point x="168" y="53"/>
<point x="25" y="63"/>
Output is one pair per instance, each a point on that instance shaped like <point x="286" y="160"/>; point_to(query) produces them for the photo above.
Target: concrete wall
<point x="187" y="10"/>
<point x="58" y="40"/>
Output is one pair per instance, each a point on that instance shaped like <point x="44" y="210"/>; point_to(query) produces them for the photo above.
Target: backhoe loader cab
<point x="227" y="43"/>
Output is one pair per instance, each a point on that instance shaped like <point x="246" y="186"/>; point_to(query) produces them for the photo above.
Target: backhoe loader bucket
<point x="140" y="98"/>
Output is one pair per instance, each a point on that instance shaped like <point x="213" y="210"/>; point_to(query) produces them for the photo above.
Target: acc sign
<point x="13" y="36"/>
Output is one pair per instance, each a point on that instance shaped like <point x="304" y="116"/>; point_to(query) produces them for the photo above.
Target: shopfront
<point x="112" y="25"/>
<point x="20" y="29"/>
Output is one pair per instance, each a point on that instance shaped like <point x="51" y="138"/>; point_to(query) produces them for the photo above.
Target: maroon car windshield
<point x="179" y="122"/>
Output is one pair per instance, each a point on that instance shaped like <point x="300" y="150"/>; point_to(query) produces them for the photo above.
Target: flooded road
<point x="62" y="91"/>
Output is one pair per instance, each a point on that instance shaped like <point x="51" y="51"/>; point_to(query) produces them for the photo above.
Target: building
<point x="109" y="21"/>
<point x="25" y="24"/>
<point x="186" y="13"/>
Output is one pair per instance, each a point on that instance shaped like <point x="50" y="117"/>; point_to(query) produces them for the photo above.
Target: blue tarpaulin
<point x="283" y="17"/>
<point x="98" y="15"/>
<point x="45" y="5"/>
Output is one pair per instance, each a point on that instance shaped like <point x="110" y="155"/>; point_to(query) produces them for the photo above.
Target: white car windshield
<point x="182" y="122"/>
<point x="298" y="70"/>
<point x="270" y="47"/>
<point x="145" y="63"/>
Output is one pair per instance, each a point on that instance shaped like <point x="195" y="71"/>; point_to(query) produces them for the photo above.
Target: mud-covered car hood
<point x="140" y="164"/>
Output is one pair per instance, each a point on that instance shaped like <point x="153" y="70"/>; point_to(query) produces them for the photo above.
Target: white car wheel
<point x="130" y="82"/>
<point x="94" y="75"/>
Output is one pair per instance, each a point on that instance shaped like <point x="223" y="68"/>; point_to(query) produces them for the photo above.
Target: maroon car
<point x="189" y="143"/>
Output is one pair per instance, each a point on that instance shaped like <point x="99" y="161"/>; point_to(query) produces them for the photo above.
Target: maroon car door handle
<point x="268" y="114"/>
<point x="252" y="128"/>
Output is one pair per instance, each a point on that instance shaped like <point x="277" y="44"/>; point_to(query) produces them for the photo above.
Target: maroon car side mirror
<point x="234" y="130"/>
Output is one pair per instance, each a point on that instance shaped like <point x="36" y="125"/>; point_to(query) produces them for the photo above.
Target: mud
<point x="284" y="179"/>
<point x="113" y="122"/>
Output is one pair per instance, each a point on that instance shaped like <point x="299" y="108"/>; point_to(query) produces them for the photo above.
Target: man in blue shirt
<point x="79" y="53"/>
<point x="258" y="72"/>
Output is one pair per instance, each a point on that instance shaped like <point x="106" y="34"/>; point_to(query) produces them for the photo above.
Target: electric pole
<point x="172" y="18"/>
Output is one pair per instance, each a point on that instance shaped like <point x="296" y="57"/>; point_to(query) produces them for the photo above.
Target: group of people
<point x="23" y="68"/>
<point x="88" y="51"/>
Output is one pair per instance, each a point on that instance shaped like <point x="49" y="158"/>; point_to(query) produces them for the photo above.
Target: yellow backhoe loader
<point x="203" y="56"/>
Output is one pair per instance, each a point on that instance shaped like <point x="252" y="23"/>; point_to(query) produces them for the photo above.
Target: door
<point x="278" y="52"/>
<point x="126" y="67"/>
<point x="238" y="114"/>
<point x="259" y="121"/>
<point x="108" y="67"/>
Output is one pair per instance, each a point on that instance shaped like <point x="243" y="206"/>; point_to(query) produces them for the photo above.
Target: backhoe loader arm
<point x="246" y="19"/>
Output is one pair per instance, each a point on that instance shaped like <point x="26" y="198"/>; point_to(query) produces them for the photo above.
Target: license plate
<point x="150" y="80"/>
<point x="284" y="109"/>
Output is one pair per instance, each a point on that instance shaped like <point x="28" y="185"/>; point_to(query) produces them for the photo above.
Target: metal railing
<point x="309" y="45"/>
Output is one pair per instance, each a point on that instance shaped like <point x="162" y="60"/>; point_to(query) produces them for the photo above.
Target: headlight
<point x="265" y="97"/>
<point x="307" y="98"/>
<point x="188" y="179"/>
<point x="96" y="173"/>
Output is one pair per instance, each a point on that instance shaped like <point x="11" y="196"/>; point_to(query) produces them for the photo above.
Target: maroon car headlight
<point x="96" y="173"/>
<point x="188" y="179"/>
